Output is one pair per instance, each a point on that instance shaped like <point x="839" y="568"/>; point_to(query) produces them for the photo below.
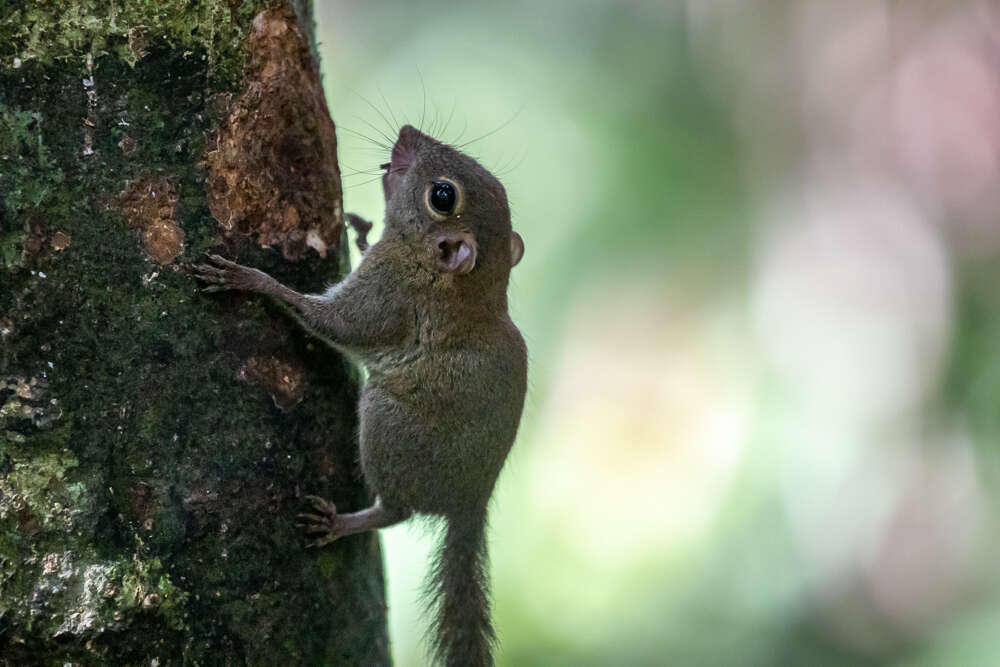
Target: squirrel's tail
<point x="459" y="596"/>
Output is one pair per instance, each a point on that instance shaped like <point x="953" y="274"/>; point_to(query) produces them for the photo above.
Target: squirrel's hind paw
<point x="322" y="522"/>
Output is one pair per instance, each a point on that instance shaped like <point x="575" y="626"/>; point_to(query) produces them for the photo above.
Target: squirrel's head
<point x="449" y="200"/>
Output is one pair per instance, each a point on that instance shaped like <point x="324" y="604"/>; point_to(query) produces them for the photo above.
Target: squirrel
<point x="425" y="312"/>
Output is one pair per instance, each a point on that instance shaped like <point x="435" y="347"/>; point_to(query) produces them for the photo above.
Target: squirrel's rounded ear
<point x="516" y="248"/>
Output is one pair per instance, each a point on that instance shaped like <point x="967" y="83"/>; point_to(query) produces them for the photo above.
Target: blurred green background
<point x="760" y="293"/>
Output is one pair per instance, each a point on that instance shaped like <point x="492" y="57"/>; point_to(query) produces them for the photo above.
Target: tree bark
<point x="155" y="441"/>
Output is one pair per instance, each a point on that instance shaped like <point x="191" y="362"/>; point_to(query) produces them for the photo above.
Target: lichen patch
<point x="23" y="398"/>
<point x="37" y="493"/>
<point x="272" y="167"/>
<point x="35" y="239"/>
<point x="138" y="44"/>
<point x="150" y="205"/>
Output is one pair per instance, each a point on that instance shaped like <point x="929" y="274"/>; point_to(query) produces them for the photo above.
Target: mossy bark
<point x="155" y="441"/>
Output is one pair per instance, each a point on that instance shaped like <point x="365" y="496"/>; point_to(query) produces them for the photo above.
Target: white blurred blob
<point x="852" y="306"/>
<point x="852" y="300"/>
<point x="649" y="402"/>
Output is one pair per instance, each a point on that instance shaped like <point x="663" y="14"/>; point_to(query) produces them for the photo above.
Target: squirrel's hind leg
<point x="328" y="525"/>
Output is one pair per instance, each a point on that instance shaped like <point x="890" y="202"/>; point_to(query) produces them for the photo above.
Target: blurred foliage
<point x="762" y="422"/>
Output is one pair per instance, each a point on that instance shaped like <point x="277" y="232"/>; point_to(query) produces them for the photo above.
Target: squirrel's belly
<point x="434" y="466"/>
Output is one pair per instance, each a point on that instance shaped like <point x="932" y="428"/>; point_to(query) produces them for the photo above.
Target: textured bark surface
<point x="155" y="441"/>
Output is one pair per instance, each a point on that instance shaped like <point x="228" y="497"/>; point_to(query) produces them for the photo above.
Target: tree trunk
<point x="155" y="441"/>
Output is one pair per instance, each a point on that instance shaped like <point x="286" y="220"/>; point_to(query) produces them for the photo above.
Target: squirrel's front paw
<point x="322" y="522"/>
<point x="219" y="273"/>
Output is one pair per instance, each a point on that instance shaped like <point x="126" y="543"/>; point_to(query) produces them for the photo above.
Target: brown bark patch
<point x="142" y="501"/>
<point x="60" y="241"/>
<point x="128" y="145"/>
<point x="35" y="240"/>
<point x="323" y="460"/>
<point x="150" y="205"/>
<point x="272" y="170"/>
<point x="286" y="382"/>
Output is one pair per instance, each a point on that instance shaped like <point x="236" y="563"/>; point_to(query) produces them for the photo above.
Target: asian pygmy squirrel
<point x="426" y="313"/>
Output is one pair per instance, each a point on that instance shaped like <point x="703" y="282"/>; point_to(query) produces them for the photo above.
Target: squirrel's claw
<point x="322" y="504"/>
<point x="322" y="522"/>
<point x="219" y="273"/>
<point x="215" y="274"/>
<point x="222" y="261"/>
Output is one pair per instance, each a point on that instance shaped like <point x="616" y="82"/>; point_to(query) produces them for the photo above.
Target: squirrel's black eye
<point x="443" y="197"/>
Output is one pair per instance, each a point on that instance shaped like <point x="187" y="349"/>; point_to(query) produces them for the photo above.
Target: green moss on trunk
<point x="148" y="478"/>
